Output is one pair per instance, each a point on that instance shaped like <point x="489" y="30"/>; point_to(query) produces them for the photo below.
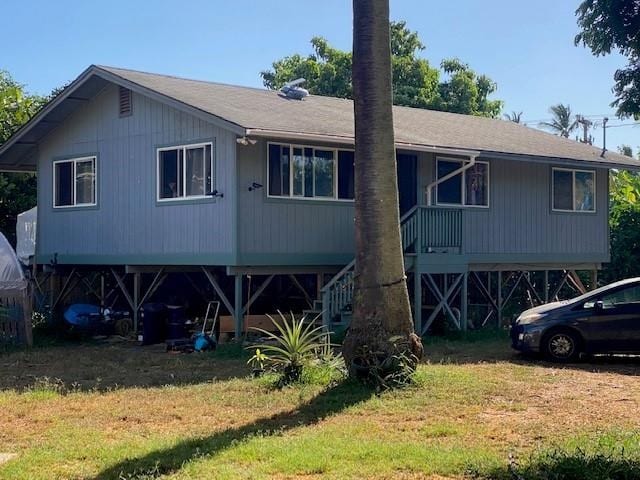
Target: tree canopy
<point x="455" y="87"/>
<point x="614" y="25"/>
<point x="563" y="122"/>
<point x="17" y="190"/>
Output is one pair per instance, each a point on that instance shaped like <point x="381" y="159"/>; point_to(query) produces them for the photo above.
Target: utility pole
<point x="586" y="125"/>
<point x="604" y="136"/>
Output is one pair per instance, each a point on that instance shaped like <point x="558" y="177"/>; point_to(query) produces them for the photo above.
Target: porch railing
<point x="422" y="229"/>
<point x="425" y="228"/>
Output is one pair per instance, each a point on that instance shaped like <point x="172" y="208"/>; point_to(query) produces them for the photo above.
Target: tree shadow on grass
<point x="166" y="461"/>
<point x="573" y="465"/>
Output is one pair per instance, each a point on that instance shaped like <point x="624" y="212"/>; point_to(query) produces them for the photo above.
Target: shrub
<point x="296" y="345"/>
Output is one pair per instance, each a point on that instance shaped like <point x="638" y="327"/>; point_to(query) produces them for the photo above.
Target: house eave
<point x="16" y="154"/>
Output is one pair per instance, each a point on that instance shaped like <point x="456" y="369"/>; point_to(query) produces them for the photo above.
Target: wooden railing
<point x="422" y="229"/>
<point x="440" y="228"/>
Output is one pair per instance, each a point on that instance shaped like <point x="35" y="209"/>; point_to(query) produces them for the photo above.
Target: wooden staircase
<point x="337" y="295"/>
<point x="423" y="229"/>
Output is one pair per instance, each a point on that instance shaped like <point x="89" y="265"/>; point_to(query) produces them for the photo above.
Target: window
<point x="74" y="182"/>
<point x="625" y="296"/>
<point x="310" y="172"/>
<point x="574" y="190"/>
<point x="469" y="188"/>
<point x="185" y="172"/>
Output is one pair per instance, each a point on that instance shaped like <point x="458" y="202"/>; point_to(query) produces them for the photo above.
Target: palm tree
<point x="381" y="309"/>
<point x="514" y="117"/>
<point x="563" y="122"/>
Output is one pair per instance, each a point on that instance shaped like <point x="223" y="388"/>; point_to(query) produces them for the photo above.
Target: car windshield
<point x="601" y="290"/>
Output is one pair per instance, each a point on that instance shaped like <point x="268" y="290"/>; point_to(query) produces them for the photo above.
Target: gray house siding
<point x="279" y="231"/>
<point x="128" y="225"/>
<point x="519" y="227"/>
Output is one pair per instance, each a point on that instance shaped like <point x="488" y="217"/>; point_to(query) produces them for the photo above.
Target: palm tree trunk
<point x="381" y="301"/>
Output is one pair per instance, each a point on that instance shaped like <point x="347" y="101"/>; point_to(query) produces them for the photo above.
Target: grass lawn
<point x="115" y="410"/>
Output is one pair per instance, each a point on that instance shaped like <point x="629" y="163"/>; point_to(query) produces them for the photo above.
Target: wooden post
<point x="238" y="306"/>
<point x="417" y="301"/>
<point x="136" y="300"/>
<point x="319" y="284"/>
<point x="27" y="313"/>
<point x="546" y="286"/>
<point x="54" y="289"/>
<point x="499" y="298"/>
<point x="464" y="302"/>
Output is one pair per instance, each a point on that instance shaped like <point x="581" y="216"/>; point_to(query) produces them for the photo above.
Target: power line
<point x="550" y="119"/>
<point x="623" y="125"/>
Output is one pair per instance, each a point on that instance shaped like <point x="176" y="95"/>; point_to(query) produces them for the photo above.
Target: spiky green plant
<point x="295" y="344"/>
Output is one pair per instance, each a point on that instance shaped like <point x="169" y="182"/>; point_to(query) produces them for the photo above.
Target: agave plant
<point x="295" y="344"/>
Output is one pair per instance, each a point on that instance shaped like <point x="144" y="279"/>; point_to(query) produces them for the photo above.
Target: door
<point x="614" y="324"/>
<point x="407" y="181"/>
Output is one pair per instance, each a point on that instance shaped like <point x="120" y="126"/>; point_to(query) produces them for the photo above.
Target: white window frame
<point x="464" y="183"/>
<point x="573" y="189"/>
<point x="184" y="149"/>
<point x="75" y="161"/>
<point x="291" y="196"/>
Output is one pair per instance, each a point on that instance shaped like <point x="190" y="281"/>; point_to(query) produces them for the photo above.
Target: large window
<point x="185" y="172"/>
<point x="310" y="172"/>
<point x="469" y="188"/>
<point x="74" y="182"/>
<point x="574" y="190"/>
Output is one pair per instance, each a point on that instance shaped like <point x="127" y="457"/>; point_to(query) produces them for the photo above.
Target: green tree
<point x="382" y="311"/>
<point x="17" y="190"/>
<point x="614" y="25"/>
<point x="415" y="82"/>
<point x="563" y="122"/>
<point x="626" y="150"/>
<point x="515" y="117"/>
<point x="624" y="225"/>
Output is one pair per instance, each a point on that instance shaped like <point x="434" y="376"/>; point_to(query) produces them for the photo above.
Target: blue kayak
<point x="82" y="314"/>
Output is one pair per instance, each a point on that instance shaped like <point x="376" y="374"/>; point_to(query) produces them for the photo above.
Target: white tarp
<point x="11" y="274"/>
<point x="26" y="235"/>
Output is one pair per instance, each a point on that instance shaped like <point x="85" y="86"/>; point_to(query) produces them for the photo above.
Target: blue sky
<point x="526" y="47"/>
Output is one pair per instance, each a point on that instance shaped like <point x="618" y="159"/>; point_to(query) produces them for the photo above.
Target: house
<point x="144" y="175"/>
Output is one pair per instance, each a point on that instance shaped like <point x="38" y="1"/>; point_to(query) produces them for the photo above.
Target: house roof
<point x="260" y="112"/>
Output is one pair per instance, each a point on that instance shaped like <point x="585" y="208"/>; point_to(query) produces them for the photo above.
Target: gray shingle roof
<point x="260" y="109"/>
<point x="255" y="109"/>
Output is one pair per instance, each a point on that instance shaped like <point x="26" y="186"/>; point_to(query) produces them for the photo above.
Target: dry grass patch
<point x="121" y="411"/>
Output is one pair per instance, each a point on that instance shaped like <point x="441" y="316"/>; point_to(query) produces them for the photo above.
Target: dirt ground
<point x="112" y="363"/>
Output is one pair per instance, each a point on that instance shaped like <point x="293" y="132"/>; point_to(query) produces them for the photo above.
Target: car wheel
<point x="561" y="346"/>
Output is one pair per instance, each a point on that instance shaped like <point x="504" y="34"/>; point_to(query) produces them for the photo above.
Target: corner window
<point x="185" y="172"/>
<point x="574" y="190"/>
<point x="74" y="182"/>
<point x="310" y="172"/>
<point x="469" y="188"/>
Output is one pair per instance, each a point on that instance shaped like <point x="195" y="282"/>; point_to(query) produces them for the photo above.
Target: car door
<point x="614" y="323"/>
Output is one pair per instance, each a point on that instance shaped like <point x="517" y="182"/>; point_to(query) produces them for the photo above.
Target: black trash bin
<point x="176" y="323"/>
<point x="154" y="321"/>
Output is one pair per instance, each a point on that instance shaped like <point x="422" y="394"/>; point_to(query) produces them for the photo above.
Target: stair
<point x="337" y="294"/>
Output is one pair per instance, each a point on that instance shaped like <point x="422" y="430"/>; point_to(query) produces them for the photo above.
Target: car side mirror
<point x="599" y="305"/>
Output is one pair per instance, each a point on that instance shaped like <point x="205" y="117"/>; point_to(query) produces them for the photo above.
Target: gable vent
<point x="125" y="101"/>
